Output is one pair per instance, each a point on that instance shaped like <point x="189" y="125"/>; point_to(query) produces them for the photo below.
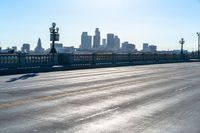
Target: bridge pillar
<point x="22" y="59"/>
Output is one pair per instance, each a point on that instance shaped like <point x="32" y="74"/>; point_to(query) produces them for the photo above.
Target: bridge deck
<point x="153" y="98"/>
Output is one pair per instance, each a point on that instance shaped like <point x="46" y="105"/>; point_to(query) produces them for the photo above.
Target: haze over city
<point x="99" y="66"/>
<point x="161" y="23"/>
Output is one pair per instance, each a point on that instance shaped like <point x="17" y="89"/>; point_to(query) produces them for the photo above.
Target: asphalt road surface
<point x="137" y="99"/>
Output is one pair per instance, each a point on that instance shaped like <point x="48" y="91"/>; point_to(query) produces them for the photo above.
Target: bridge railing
<point x="122" y="58"/>
<point x="24" y="60"/>
<point x="105" y="58"/>
<point x="84" y="60"/>
<point x="41" y="60"/>
<point x="9" y="60"/>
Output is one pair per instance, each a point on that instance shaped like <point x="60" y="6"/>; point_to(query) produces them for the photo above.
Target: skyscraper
<point x="97" y="39"/>
<point x="117" y="43"/>
<point x="89" y="42"/>
<point x="86" y="41"/>
<point x="110" y="41"/>
<point x="39" y="48"/>
<point x="104" y="43"/>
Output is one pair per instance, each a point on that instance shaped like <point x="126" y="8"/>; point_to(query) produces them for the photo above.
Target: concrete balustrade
<point x="122" y="58"/>
<point x="24" y="60"/>
<point x="24" y="63"/>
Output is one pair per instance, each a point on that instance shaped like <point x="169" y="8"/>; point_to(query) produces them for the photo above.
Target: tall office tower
<point x="97" y="39"/>
<point x="145" y="47"/>
<point x="39" y="48"/>
<point x="117" y="43"/>
<point x="104" y="43"/>
<point x="89" y="42"/>
<point x="86" y="41"/>
<point x="25" y="48"/>
<point x="110" y="41"/>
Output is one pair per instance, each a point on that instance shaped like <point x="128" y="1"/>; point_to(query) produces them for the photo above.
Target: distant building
<point x="61" y="49"/>
<point x="153" y="48"/>
<point x="104" y="43"/>
<point x="113" y="42"/>
<point x="57" y="45"/>
<point x="66" y="50"/>
<point x="173" y="52"/>
<point x="128" y="48"/>
<point x="25" y="48"/>
<point x="89" y="40"/>
<point x="97" y="39"/>
<point x="86" y="41"/>
<point x="117" y="43"/>
<point x="14" y="48"/>
<point x="7" y="51"/>
<point x="146" y="47"/>
<point x="39" y="48"/>
<point x="110" y="41"/>
<point x="149" y="48"/>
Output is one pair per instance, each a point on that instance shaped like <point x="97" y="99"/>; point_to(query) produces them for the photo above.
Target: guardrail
<point x="24" y="60"/>
<point x="85" y="60"/>
<point x="115" y="59"/>
<point x="8" y="60"/>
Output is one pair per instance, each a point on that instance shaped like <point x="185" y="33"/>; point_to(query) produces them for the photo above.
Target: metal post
<point x="182" y="42"/>
<point x="198" y="34"/>
<point x="54" y="36"/>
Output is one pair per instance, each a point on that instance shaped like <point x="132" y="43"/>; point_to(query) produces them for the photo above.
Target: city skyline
<point x="155" y="22"/>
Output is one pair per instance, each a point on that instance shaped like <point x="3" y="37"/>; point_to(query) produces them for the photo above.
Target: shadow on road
<point x="23" y="77"/>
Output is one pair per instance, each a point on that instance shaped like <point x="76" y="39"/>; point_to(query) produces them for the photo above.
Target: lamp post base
<point x="53" y="51"/>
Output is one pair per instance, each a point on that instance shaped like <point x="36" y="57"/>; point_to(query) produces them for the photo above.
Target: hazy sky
<point x="158" y="22"/>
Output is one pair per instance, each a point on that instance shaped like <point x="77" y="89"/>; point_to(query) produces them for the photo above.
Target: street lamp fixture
<point x="54" y="36"/>
<point x="182" y="42"/>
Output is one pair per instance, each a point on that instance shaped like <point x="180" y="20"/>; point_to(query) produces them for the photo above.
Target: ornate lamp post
<point x="54" y="36"/>
<point x="182" y="42"/>
<point x="198" y="34"/>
